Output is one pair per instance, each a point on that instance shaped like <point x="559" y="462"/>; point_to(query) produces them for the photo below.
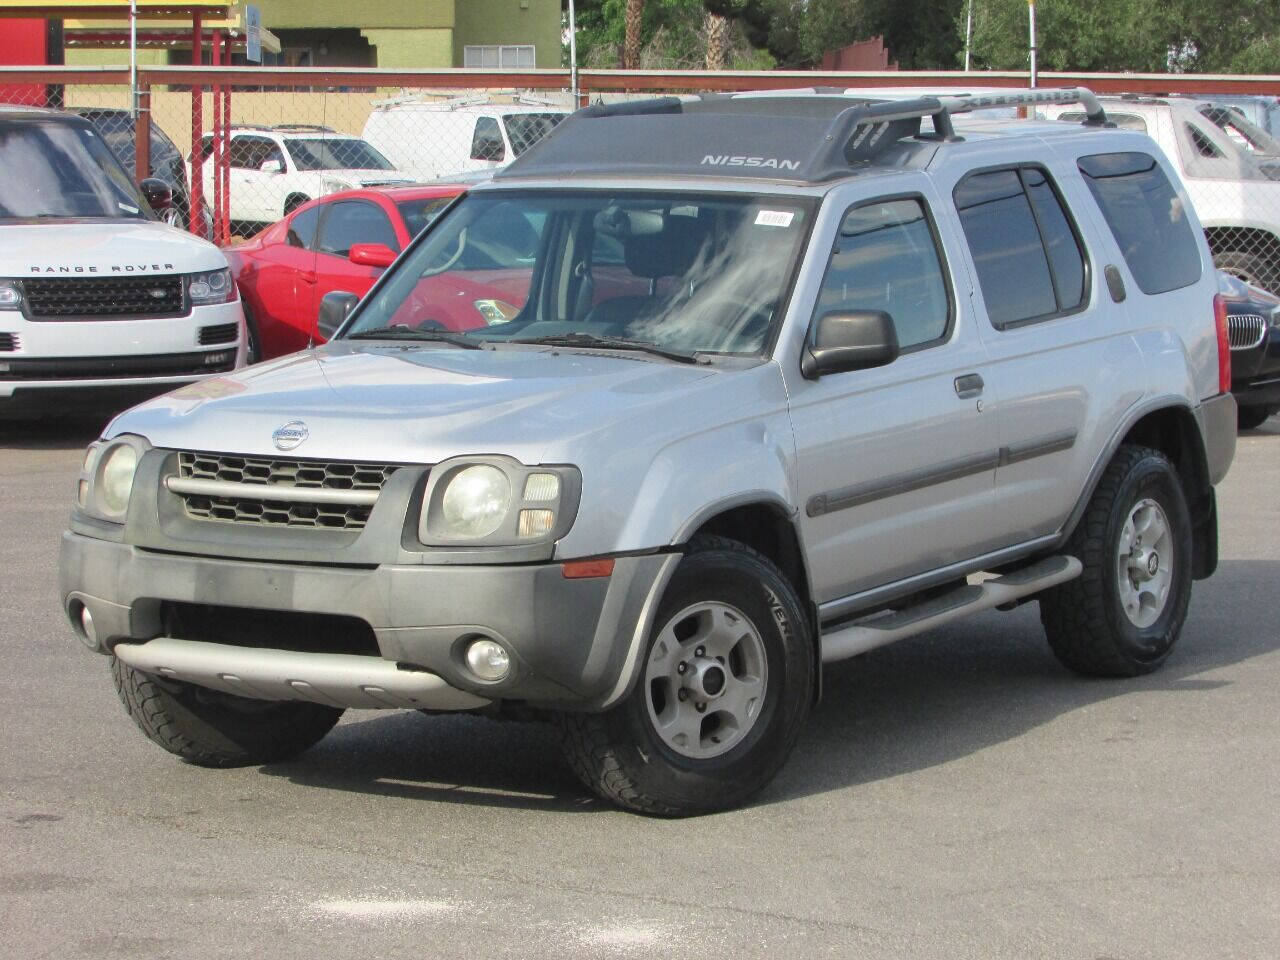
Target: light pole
<point x="968" y="35"/>
<point x="1031" y="6"/>
<point x="573" y="55"/>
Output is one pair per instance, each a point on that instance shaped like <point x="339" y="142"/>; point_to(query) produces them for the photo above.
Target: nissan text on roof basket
<point x="96" y="295"/>
<point x="766" y="383"/>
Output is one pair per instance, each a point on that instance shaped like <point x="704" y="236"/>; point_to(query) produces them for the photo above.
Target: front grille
<point x="222" y="333"/>
<point x="74" y="298"/>
<point x="9" y="342"/>
<point x="296" y="477"/>
<point x="268" y="629"/>
<point x="119" y="368"/>
<point x="1246" y="330"/>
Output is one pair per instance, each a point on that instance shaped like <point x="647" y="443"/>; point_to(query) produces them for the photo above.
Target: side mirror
<point x="335" y="307"/>
<point x="158" y="194"/>
<point x="371" y="254"/>
<point x="854" y="340"/>
<point x="271" y="166"/>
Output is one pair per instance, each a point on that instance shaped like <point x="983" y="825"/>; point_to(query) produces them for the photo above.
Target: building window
<point x="496" y="57"/>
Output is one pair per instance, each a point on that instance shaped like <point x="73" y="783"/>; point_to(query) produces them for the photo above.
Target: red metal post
<point x="215" y="48"/>
<point x="224" y="218"/>
<point x="194" y="197"/>
<point x="142" y="133"/>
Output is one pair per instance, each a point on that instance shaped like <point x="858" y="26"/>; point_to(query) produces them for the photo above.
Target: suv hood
<point x="423" y="404"/>
<point x="101" y="246"/>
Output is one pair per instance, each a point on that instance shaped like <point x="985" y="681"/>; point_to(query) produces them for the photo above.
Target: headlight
<point x="215" y="286"/>
<point x="106" y="477"/>
<point x="475" y="502"/>
<point x="1275" y="317"/>
<point x="10" y="295"/>
<point x="496" y="501"/>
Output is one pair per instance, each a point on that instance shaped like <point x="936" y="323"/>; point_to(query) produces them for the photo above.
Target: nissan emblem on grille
<point x="289" y="435"/>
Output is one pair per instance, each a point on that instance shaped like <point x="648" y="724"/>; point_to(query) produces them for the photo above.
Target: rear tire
<point x="1123" y="614"/>
<point x="1250" y="418"/>
<point x="213" y="729"/>
<point x="732" y="619"/>
<point x="294" y="202"/>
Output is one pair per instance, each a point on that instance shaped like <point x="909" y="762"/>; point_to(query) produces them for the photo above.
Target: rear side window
<point x="886" y="258"/>
<point x="486" y="142"/>
<point x="1028" y="256"/>
<point x="1146" y="218"/>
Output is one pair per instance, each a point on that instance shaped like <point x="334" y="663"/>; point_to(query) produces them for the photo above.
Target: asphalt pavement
<point x="955" y="796"/>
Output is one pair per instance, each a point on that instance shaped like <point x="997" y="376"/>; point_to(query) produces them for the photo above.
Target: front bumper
<point x="60" y="357"/>
<point x="1255" y="373"/>
<point x="574" y="643"/>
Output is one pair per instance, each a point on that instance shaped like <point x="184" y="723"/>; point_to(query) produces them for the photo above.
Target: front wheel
<point x="727" y="682"/>
<point x="213" y="729"/>
<point x="1123" y="614"/>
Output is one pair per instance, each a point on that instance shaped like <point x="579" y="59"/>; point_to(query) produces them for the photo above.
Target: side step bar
<point x="855" y="638"/>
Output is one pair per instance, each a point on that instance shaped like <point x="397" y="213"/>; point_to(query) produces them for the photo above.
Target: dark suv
<point x="167" y="164"/>
<point x="1253" y="318"/>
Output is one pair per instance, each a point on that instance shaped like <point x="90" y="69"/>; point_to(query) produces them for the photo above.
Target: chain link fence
<point x="264" y="141"/>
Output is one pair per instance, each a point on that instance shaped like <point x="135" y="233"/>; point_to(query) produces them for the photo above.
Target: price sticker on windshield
<point x="774" y="218"/>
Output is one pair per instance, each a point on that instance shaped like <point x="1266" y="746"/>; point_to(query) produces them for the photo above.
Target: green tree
<point x="1137" y="35"/>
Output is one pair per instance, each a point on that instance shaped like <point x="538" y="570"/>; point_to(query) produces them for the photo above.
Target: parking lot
<point x="957" y="795"/>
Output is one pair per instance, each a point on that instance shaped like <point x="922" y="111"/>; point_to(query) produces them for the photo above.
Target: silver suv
<point x="693" y="399"/>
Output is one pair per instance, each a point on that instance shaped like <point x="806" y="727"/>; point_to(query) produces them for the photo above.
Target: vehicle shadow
<point x="907" y="707"/>
<point x="54" y="433"/>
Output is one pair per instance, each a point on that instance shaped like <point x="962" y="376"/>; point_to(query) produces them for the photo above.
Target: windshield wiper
<point x="413" y="333"/>
<point x="612" y="343"/>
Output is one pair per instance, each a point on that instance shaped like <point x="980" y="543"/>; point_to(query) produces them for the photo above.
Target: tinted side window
<point x="486" y="143"/>
<point x="1146" y="218"/>
<point x="1065" y="259"/>
<point x="250" y="153"/>
<point x="1013" y="270"/>
<point x="302" y="228"/>
<point x="354" y="221"/>
<point x="886" y="258"/>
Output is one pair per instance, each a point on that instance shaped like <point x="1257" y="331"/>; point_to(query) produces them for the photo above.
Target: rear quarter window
<point x="1147" y="218"/>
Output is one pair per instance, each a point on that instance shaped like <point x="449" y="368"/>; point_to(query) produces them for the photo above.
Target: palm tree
<point x="717" y="30"/>
<point x="631" y="43"/>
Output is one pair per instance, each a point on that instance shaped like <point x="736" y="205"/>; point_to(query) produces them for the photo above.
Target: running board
<point x="856" y="638"/>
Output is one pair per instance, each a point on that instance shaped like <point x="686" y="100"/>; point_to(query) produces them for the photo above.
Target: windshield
<point x="418" y="214"/>
<point x="686" y="272"/>
<point x="336" y="153"/>
<point x="526" y="129"/>
<point x="62" y="170"/>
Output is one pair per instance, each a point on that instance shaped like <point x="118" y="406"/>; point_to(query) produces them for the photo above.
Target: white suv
<point x="276" y="169"/>
<point x="97" y="297"/>
<point x="1237" y="202"/>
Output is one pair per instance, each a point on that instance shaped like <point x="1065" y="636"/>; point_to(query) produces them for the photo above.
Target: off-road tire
<point x="1250" y="418"/>
<point x="212" y="729"/>
<point x="620" y="756"/>
<point x="1084" y="619"/>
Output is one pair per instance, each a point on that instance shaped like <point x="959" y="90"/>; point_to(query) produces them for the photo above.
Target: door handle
<point x="969" y="386"/>
<point x="307" y="276"/>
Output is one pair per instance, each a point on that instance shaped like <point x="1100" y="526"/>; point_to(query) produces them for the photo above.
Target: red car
<point x="342" y="241"/>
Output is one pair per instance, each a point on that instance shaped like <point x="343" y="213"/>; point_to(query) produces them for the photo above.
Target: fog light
<point x="90" y="632"/>
<point x="488" y="660"/>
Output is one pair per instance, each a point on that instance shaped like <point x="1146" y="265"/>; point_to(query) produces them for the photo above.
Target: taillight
<point x="1224" y="344"/>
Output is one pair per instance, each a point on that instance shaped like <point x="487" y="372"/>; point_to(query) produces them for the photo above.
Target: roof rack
<point x="810" y="136"/>
<point x="304" y="127"/>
